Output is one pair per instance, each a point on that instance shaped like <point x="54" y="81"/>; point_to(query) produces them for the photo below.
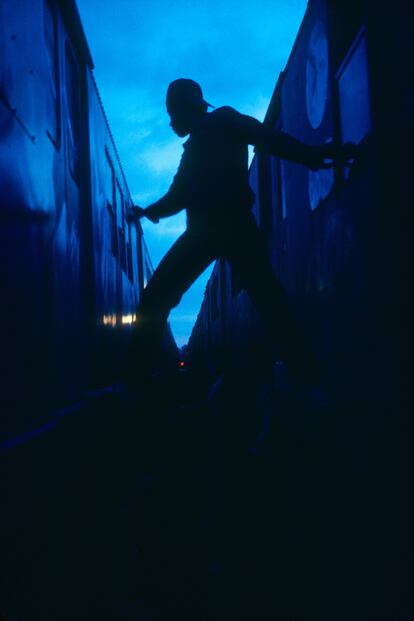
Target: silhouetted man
<point x="212" y="184"/>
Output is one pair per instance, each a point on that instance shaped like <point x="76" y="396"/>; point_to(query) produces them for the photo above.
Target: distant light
<point x="109" y="320"/>
<point x="182" y="364"/>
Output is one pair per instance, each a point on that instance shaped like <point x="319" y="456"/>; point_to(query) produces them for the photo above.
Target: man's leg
<point x="184" y="262"/>
<point x="248" y="258"/>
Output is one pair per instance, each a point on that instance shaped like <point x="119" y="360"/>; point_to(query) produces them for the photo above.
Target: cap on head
<point x="185" y="93"/>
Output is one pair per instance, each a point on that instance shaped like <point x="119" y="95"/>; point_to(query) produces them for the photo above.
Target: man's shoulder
<point x="224" y="112"/>
<point x="224" y="119"/>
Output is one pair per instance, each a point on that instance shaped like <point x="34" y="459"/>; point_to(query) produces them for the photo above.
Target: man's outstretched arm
<point x="171" y="203"/>
<point x="285" y="146"/>
<point x="166" y="206"/>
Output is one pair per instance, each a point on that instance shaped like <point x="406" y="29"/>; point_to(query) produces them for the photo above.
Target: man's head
<point x="185" y="104"/>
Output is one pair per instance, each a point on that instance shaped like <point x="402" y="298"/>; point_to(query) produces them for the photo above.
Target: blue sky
<point x="234" y="48"/>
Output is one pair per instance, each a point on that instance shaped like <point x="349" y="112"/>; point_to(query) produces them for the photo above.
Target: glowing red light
<point x="182" y="364"/>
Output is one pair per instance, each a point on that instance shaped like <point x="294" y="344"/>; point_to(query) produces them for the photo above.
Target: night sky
<point x="234" y="48"/>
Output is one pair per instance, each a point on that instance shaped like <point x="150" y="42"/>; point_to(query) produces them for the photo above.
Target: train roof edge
<point x="70" y="13"/>
<point x="98" y="94"/>
<point x="73" y="20"/>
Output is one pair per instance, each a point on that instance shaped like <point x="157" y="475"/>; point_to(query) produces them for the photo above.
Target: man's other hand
<point x="149" y="213"/>
<point x="133" y="214"/>
<point x="136" y="213"/>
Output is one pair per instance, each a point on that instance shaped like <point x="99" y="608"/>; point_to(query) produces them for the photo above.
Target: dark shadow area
<point x="211" y="501"/>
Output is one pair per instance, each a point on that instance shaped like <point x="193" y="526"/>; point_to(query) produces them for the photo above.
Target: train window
<point x="353" y="92"/>
<point x="109" y="187"/>
<point x="112" y="229"/>
<point x="119" y="201"/>
<point x="109" y="180"/>
<point x="130" y="266"/>
<point x="122" y="248"/>
<point x="53" y="78"/>
<point x="74" y="112"/>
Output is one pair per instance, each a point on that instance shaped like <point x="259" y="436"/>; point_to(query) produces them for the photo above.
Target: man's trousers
<point x="242" y="246"/>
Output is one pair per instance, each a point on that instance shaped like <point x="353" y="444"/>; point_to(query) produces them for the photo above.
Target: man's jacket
<point x="212" y="181"/>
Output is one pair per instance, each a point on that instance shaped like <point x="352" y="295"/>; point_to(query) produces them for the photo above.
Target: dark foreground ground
<point x="228" y="503"/>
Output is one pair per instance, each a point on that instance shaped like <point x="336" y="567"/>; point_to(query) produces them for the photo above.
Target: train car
<point x="72" y="268"/>
<point x="324" y="229"/>
<point x="339" y="242"/>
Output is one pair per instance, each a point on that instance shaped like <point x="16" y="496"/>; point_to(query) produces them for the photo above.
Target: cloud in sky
<point x="235" y="49"/>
